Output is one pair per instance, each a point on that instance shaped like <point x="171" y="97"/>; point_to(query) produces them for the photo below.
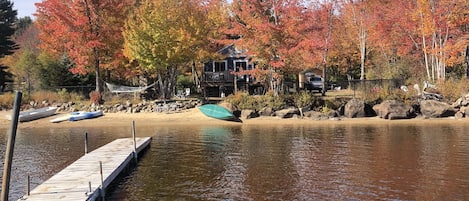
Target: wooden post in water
<point x="135" y="142"/>
<point x="29" y="185"/>
<point x="10" y="147"/>
<point x="86" y="142"/>
<point x="103" y="192"/>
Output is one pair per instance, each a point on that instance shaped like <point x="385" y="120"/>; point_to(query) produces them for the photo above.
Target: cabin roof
<point x="231" y="51"/>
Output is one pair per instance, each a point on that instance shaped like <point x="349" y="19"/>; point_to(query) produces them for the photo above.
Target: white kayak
<point x="85" y="115"/>
<point x="34" y="114"/>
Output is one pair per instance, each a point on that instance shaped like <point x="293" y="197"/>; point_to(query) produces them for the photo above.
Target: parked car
<point x="313" y="83"/>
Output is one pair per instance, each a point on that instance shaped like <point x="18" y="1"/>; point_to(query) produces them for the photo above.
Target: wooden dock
<point x="82" y="179"/>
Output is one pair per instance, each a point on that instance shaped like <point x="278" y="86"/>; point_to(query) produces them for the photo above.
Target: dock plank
<point x="72" y="183"/>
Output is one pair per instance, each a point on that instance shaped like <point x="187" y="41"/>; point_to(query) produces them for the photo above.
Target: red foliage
<point x="96" y="97"/>
<point x="87" y="31"/>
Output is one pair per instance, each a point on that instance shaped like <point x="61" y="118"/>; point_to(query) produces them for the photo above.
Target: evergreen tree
<point x="56" y="73"/>
<point x="5" y="76"/>
<point x="7" y="45"/>
<point x="22" y="25"/>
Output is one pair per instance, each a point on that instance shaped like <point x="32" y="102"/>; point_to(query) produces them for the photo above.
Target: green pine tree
<point x="7" y="45"/>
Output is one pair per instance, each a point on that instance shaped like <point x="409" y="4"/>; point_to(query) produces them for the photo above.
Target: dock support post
<point x="86" y="142"/>
<point x="10" y="147"/>
<point x="103" y="192"/>
<point x="29" y="185"/>
<point x="134" y="141"/>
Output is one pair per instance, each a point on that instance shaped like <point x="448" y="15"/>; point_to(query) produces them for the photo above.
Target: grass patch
<point x="6" y="100"/>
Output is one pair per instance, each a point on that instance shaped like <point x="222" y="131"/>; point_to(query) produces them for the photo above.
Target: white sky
<point x="25" y="7"/>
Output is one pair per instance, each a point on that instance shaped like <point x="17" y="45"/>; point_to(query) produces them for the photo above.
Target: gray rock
<point x="393" y="109"/>
<point x="459" y="115"/>
<point x="357" y="108"/>
<point x="230" y="107"/>
<point x="457" y="103"/>
<point x="266" y="111"/>
<point x="436" y="109"/>
<point x="464" y="110"/>
<point x="248" y="114"/>
<point x="128" y="103"/>
<point x="287" y="113"/>
<point x="315" y="115"/>
<point x="332" y="113"/>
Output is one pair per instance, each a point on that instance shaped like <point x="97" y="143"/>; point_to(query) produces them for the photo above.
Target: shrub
<point x="63" y="95"/>
<point x="243" y="100"/>
<point x="6" y="100"/>
<point x="74" y="96"/>
<point x="184" y="81"/>
<point x="452" y="89"/>
<point x="303" y="99"/>
<point x="96" y="98"/>
<point x="273" y="101"/>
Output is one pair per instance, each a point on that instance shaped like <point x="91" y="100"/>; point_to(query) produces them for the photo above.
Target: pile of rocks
<point x="355" y="108"/>
<point x="128" y="107"/>
<point x="462" y="106"/>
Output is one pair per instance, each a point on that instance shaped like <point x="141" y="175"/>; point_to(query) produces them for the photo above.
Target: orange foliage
<point x="89" y="32"/>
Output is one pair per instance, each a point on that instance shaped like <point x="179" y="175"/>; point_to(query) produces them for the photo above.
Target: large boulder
<point x="461" y="102"/>
<point x="436" y="109"/>
<point x="287" y="113"/>
<point x="357" y="108"/>
<point x="228" y="106"/>
<point x="248" y="114"/>
<point x="394" y="109"/>
<point x="463" y="112"/>
<point x="315" y="115"/>
<point x="266" y="111"/>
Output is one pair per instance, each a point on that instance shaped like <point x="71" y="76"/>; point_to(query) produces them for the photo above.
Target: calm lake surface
<point x="284" y="162"/>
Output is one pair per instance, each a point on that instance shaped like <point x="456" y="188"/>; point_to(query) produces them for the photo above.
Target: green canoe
<point x="217" y="112"/>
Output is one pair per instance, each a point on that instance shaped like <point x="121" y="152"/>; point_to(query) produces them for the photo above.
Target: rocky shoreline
<point x="354" y="108"/>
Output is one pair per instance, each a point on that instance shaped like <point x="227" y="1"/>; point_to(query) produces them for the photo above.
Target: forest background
<point x="138" y="42"/>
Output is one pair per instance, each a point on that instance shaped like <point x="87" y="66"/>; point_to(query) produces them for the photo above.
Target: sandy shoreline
<point x="194" y="117"/>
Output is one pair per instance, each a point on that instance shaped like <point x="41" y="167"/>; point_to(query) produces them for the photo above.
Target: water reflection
<point x="297" y="162"/>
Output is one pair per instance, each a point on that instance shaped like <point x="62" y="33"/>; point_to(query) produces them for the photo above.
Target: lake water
<point x="278" y="162"/>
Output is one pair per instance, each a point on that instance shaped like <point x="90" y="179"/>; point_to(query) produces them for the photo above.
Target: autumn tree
<point x="357" y="16"/>
<point x="7" y="45"/>
<point x="164" y="35"/>
<point x="277" y="33"/>
<point x="427" y="31"/>
<point x="89" y="32"/>
<point x="324" y="18"/>
<point x="28" y="66"/>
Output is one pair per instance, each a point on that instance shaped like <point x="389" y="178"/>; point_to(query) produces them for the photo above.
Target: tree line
<point x="76" y="42"/>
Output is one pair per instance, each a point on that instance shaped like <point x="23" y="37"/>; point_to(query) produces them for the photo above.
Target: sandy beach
<point x="195" y="117"/>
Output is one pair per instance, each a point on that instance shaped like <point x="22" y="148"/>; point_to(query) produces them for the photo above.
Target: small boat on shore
<point x="76" y="116"/>
<point x="217" y="112"/>
<point x="34" y="114"/>
<point x="65" y="117"/>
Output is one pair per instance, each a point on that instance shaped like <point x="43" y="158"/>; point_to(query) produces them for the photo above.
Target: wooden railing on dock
<point x="82" y="180"/>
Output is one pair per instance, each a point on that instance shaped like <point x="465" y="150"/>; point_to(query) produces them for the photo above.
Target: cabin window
<point x="219" y="66"/>
<point x="208" y="68"/>
<point x="241" y="65"/>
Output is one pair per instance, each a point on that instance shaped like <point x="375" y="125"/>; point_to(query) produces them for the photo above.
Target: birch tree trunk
<point x="362" y="52"/>
<point x="467" y="61"/>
